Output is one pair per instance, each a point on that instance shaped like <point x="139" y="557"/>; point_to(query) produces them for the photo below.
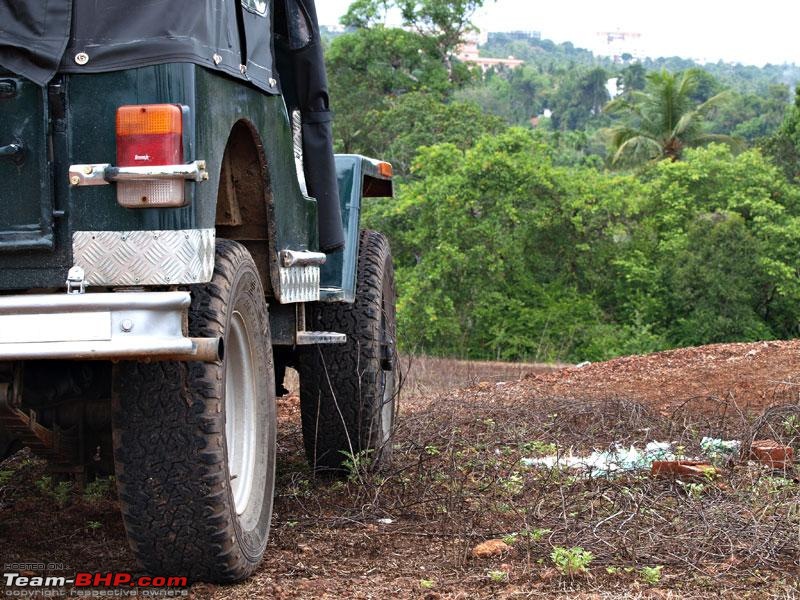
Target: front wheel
<point x="194" y="443"/>
<point x="348" y="392"/>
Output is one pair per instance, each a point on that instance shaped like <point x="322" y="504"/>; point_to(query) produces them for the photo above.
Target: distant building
<point x="469" y="53"/>
<point x="621" y="46"/>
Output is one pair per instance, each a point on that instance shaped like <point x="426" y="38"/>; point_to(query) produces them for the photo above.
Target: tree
<point x="444" y="22"/>
<point x="418" y="119"/>
<point x="783" y="147"/>
<point x="594" y="93"/>
<point x="713" y="255"/>
<point x="515" y="94"/>
<point x="578" y="96"/>
<point x="662" y="120"/>
<point x="633" y="77"/>
<point x="752" y="116"/>
<point x="705" y="86"/>
<point x="367" y="68"/>
<point x="363" y="14"/>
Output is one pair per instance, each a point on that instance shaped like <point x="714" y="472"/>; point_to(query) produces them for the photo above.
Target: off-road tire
<point x="348" y="392"/>
<point x="170" y="441"/>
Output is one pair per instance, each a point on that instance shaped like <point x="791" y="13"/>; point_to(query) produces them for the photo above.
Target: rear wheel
<point x="194" y="443"/>
<point x="348" y="392"/>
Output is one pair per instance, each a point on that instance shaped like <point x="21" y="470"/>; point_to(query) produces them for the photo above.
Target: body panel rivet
<point x="81" y="58"/>
<point x="127" y="325"/>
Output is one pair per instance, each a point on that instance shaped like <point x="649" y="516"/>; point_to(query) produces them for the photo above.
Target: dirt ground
<point x="459" y="478"/>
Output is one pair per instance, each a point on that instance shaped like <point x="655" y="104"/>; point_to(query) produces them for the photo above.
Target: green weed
<point x="98" y="489"/>
<point x="571" y="561"/>
<point x="651" y="575"/>
<point x="498" y="576"/>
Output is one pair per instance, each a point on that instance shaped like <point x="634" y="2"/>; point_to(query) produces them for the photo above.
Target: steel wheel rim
<point x="240" y="412"/>
<point x="387" y="406"/>
<point x="388" y="370"/>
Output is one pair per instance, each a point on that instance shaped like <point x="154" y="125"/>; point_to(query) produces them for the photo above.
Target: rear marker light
<point x="385" y="169"/>
<point x="150" y="135"/>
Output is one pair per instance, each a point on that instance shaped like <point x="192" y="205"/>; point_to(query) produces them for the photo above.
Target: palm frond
<point x="638" y="145"/>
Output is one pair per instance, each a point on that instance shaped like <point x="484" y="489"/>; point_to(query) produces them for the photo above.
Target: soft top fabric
<point x="38" y="39"/>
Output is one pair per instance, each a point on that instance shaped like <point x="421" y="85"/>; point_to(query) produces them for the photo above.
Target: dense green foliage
<point x="663" y="119"/>
<point x="502" y="254"/>
<point x="515" y="232"/>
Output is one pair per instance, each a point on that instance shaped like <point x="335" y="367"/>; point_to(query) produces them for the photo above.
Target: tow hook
<point x="76" y="281"/>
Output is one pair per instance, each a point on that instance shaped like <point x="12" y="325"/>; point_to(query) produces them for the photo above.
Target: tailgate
<point x="26" y="182"/>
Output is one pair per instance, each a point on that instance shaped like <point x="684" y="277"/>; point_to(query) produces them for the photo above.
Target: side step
<point x="310" y="338"/>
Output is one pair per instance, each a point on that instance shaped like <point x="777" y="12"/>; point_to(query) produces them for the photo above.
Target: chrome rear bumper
<point x="108" y="326"/>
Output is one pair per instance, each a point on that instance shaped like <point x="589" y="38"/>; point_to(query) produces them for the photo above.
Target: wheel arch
<point x="245" y="207"/>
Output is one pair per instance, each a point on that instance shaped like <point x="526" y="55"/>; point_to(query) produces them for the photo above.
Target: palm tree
<point x="661" y="120"/>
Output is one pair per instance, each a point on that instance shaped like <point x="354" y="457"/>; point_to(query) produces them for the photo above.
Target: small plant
<point x="356" y="464"/>
<point x="93" y="525"/>
<point x="504" y="508"/>
<point x="505" y="451"/>
<point x="513" y="484"/>
<point x="427" y="584"/>
<point x="612" y="570"/>
<point x="98" y="489"/>
<point x="651" y="575"/>
<point x="535" y="535"/>
<point x="510" y="539"/>
<point x="299" y="488"/>
<point x="537" y="447"/>
<point x="695" y="490"/>
<point x="791" y="425"/>
<point x="432" y="450"/>
<point x="498" y="576"/>
<point x="44" y="484"/>
<point x="571" y="561"/>
<point x="5" y="477"/>
<point x="60" y="493"/>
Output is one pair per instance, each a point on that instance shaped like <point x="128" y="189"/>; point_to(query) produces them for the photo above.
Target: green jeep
<point x="175" y="231"/>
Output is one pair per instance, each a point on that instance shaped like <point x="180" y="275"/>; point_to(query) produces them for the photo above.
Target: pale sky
<point x="735" y="31"/>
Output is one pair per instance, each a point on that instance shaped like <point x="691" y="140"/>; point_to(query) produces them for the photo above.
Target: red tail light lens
<point x="150" y="135"/>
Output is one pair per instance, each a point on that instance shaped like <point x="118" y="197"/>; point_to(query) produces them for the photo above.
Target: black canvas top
<point x="88" y="36"/>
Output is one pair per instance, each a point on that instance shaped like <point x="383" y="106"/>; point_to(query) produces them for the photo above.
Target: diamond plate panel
<point x="114" y="258"/>
<point x="299" y="284"/>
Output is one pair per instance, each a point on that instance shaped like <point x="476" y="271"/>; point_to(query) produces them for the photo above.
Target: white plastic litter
<point x="622" y="460"/>
<point x="607" y="463"/>
<point x="717" y="448"/>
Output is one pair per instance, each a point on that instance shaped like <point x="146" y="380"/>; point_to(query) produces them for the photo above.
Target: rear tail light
<point x="150" y="135"/>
